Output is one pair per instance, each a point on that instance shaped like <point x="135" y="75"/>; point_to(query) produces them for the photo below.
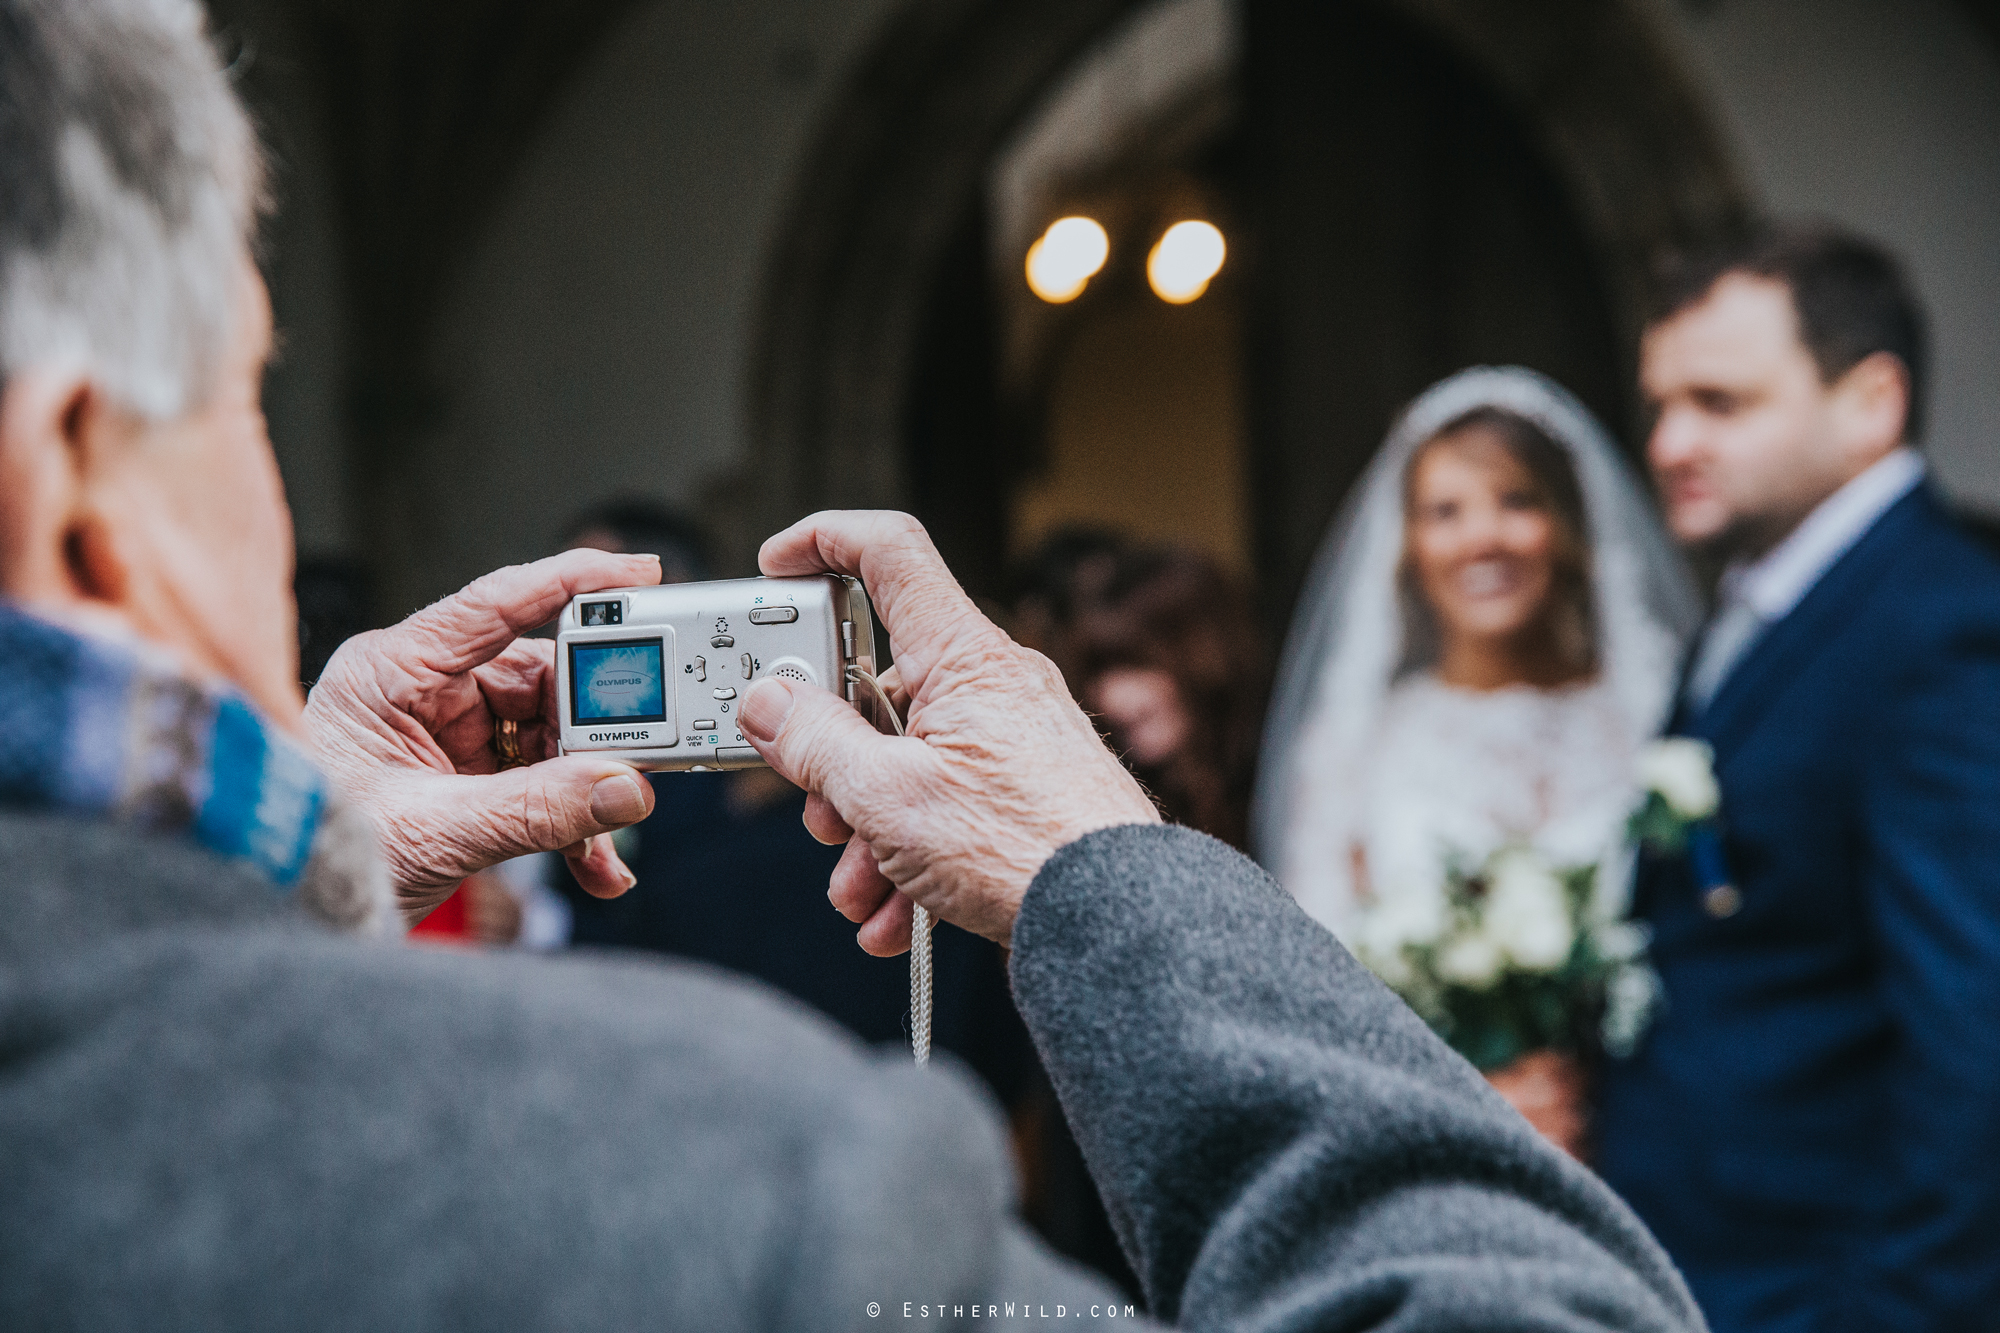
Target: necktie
<point x="1722" y="646"/>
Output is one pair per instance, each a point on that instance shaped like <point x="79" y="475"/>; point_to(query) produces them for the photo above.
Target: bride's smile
<point x="1497" y="578"/>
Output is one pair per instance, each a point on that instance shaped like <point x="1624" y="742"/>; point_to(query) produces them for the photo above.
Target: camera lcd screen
<point x="625" y="681"/>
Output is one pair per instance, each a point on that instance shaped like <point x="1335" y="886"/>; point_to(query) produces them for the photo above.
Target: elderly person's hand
<point x="1000" y="767"/>
<point x="404" y="718"/>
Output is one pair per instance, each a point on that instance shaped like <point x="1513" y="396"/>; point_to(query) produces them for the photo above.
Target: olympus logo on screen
<point x="597" y="737"/>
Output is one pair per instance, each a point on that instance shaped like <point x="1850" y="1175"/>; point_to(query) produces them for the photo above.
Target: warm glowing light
<point x="1066" y="259"/>
<point x="1183" y="263"/>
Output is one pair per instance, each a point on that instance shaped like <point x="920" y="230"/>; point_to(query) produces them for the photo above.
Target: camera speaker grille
<point x="795" y="669"/>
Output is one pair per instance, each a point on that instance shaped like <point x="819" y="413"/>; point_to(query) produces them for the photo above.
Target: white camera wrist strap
<point x="920" y="923"/>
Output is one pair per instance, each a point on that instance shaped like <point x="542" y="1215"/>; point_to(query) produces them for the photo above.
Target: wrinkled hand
<point x="403" y="720"/>
<point x="1000" y="767"/>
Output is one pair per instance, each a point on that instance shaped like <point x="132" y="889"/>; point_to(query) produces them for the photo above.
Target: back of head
<point x="129" y="181"/>
<point x="1176" y="609"/>
<point x="1065" y="572"/>
<point x="1851" y="297"/>
<point x="1070" y="564"/>
<point x="1178" y="612"/>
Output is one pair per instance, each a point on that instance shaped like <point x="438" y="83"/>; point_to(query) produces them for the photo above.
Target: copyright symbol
<point x="874" y="1309"/>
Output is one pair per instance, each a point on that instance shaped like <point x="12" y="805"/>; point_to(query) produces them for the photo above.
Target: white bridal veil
<point x="1347" y="640"/>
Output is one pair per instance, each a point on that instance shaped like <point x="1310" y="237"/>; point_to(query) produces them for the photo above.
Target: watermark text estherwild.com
<point x="1005" y="1310"/>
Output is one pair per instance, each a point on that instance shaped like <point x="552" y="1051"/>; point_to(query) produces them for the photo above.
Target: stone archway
<point x="884" y="189"/>
<point x="901" y="158"/>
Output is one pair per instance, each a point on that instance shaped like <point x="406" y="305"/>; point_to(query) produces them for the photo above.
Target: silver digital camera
<point x="653" y="677"/>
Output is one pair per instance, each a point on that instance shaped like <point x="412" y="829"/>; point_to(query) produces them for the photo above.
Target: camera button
<point x="774" y="615"/>
<point x="748" y="666"/>
<point x="725" y="694"/>
<point x="701" y="668"/>
<point x="704" y="724"/>
<point x="722" y="641"/>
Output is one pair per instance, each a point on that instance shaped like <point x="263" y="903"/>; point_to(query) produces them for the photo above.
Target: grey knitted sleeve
<point x="1281" y="1143"/>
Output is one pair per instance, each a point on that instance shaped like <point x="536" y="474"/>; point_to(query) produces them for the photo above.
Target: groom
<point x="1813" y="1125"/>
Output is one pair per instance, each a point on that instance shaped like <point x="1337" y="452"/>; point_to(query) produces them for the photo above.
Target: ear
<point x="60" y="548"/>
<point x="1871" y="406"/>
<point x="45" y="417"/>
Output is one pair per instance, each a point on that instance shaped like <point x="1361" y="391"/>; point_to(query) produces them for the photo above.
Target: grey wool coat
<point x="215" y="1115"/>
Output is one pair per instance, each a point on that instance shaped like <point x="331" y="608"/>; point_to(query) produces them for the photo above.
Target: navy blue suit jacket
<point x="1813" y="1125"/>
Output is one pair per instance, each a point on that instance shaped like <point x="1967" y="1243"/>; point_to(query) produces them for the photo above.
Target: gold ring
<point x="507" y="743"/>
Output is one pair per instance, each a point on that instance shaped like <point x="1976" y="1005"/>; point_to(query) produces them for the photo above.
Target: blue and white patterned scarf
<point x="111" y="731"/>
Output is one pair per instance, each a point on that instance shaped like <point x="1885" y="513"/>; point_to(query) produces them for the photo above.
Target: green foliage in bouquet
<point x="1659" y="827"/>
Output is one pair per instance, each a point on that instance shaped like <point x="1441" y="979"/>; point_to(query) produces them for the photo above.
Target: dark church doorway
<point x="1391" y="219"/>
<point x="1408" y="223"/>
<point x="1113" y="408"/>
<point x="1406" y="189"/>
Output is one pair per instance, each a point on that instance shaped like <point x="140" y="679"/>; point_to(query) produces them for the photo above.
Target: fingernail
<point x="765" y="708"/>
<point x="617" y="801"/>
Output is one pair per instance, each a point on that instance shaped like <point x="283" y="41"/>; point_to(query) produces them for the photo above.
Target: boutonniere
<point x="1679" y="793"/>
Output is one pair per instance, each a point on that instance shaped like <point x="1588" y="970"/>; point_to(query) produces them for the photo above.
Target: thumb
<point x="812" y="737"/>
<point x="545" y="807"/>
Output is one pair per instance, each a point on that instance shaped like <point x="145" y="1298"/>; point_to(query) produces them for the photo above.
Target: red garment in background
<point x="448" y="924"/>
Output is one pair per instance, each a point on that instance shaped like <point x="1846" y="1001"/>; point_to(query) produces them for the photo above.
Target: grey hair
<point x="130" y="184"/>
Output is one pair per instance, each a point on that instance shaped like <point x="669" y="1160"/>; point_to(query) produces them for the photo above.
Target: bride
<point x="1489" y="636"/>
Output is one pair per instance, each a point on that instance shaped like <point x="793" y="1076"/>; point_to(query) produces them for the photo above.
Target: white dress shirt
<point x="1756" y="595"/>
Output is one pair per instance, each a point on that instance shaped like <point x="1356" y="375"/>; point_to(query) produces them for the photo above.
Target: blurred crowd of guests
<point x="1162" y="646"/>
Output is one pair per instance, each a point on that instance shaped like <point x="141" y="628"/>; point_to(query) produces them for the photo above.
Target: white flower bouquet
<point x="1513" y="954"/>
<point x="1509" y="956"/>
